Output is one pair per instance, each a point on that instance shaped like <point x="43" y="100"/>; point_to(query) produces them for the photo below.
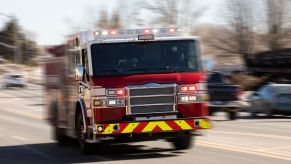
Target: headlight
<point x="115" y="102"/>
<point x="187" y="98"/>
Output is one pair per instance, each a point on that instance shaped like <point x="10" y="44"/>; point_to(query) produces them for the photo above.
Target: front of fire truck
<point x="151" y="86"/>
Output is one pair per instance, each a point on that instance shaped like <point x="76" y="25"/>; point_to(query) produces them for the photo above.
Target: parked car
<point x="271" y="99"/>
<point x="14" y="80"/>
<point x="223" y="96"/>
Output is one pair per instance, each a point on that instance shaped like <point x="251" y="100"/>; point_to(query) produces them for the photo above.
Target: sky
<point x="51" y="20"/>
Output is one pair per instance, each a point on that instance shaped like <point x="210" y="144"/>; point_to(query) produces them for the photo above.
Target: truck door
<point x="73" y="58"/>
<point x="86" y="80"/>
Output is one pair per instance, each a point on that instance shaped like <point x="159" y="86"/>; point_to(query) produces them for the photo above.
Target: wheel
<point x="232" y="115"/>
<point x="59" y="133"/>
<point x="211" y="111"/>
<point x="86" y="148"/>
<point x="253" y="110"/>
<point x="253" y="114"/>
<point x="183" y="141"/>
<point x="60" y="137"/>
<point x="269" y="112"/>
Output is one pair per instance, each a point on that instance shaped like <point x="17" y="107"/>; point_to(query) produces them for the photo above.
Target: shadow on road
<point x="52" y="153"/>
<point x="262" y="118"/>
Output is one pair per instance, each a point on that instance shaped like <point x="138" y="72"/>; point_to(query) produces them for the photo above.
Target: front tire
<point x="183" y="141"/>
<point x="86" y="148"/>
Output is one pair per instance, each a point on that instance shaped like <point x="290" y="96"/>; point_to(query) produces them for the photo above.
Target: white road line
<point x="275" y="148"/>
<point x="20" y="138"/>
<point x="245" y="150"/>
<point x="252" y="135"/>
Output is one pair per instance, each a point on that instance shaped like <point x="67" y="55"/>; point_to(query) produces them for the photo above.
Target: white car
<point x="14" y="80"/>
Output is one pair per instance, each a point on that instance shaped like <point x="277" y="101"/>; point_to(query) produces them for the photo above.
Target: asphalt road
<point x="26" y="138"/>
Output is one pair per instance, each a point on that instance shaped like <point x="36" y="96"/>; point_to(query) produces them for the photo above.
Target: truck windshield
<point x="144" y="57"/>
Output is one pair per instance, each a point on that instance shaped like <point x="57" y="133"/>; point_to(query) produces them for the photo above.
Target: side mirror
<point x="79" y="72"/>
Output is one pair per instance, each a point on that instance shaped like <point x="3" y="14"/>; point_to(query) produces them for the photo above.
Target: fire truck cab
<point x="134" y="85"/>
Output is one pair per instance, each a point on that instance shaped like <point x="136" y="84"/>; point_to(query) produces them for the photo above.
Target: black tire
<point x="269" y="112"/>
<point x="60" y="137"/>
<point x="232" y="115"/>
<point x="85" y="147"/>
<point x="254" y="114"/>
<point x="59" y="133"/>
<point x="211" y="111"/>
<point x="183" y="142"/>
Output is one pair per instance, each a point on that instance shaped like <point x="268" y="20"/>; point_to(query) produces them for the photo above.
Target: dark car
<point x="223" y="96"/>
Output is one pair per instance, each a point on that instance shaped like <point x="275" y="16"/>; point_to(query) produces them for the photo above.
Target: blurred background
<point x="250" y="39"/>
<point x="246" y="46"/>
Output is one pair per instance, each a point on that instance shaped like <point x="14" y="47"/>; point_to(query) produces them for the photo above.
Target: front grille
<point x="151" y="109"/>
<point x="146" y="99"/>
<point x="152" y="100"/>
<point x="151" y="91"/>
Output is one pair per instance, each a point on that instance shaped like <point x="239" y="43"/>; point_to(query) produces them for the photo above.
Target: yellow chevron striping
<point x="204" y="124"/>
<point x="150" y="126"/>
<point x="162" y="124"/>
<point x="109" y="129"/>
<point x="183" y="124"/>
<point x="130" y="127"/>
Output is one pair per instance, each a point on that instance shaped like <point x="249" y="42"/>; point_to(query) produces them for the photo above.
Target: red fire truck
<point x="128" y="85"/>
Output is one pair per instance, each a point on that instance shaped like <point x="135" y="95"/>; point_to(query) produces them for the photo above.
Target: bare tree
<point x="238" y="37"/>
<point x="181" y="13"/>
<point x="277" y="19"/>
<point x="116" y="21"/>
<point x="103" y="21"/>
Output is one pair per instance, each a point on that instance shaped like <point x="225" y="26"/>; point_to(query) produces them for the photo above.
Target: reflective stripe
<point x="161" y="124"/>
<point x="154" y="126"/>
<point x="109" y="129"/>
<point x="130" y="127"/>
<point x="204" y="124"/>
<point x="183" y="124"/>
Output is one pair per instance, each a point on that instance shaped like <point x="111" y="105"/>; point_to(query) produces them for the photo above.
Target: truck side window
<point x="71" y="62"/>
<point x="85" y="61"/>
<point x="77" y="57"/>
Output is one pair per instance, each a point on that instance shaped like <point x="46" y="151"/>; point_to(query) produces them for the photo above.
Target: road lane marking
<point x="244" y="150"/>
<point x="253" y="135"/>
<point x="275" y="148"/>
<point x="20" y="138"/>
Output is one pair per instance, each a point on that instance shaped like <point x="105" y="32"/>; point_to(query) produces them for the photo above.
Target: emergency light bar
<point x="141" y="34"/>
